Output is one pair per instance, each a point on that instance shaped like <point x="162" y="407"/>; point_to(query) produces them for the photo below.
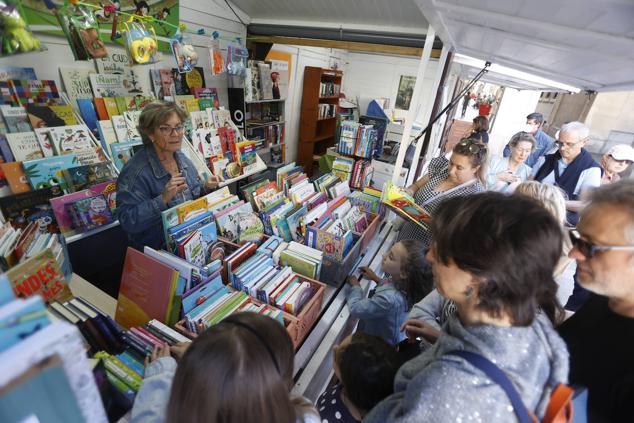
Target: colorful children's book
<point x="109" y="191"/>
<point x="39" y="275"/>
<point x="88" y="114"/>
<point x="15" y="72"/>
<point x="15" y="177"/>
<point x="90" y="213"/>
<point x="21" y="209"/>
<point x="33" y="90"/>
<point x="107" y="135"/>
<point x="68" y="139"/>
<point x="76" y="82"/>
<point x="122" y="152"/>
<point x="208" y="93"/>
<point x="42" y="115"/>
<point x="104" y="85"/>
<point x="24" y="146"/>
<point x="42" y="172"/>
<point x="5" y="94"/>
<point x="82" y="177"/>
<point x="64" y="221"/>
<point x="404" y="204"/>
<point x="15" y="119"/>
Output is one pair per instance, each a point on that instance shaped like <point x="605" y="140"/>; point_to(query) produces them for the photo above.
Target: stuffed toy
<point x="16" y="38"/>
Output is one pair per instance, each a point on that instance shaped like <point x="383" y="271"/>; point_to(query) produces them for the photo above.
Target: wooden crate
<point x="301" y="325"/>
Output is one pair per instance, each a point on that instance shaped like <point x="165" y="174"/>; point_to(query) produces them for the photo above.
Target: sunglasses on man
<point x="588" y="249"/>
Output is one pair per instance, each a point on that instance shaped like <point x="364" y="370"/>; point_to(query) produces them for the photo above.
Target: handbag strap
<point x="499" y="377"/>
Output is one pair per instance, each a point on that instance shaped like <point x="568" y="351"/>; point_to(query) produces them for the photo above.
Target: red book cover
<point x="146" y="290"/>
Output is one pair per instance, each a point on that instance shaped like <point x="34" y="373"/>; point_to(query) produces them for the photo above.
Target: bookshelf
<point x="318" y="121"/>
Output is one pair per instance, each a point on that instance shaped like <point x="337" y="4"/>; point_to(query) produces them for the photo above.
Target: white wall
<point x="194" y="14"/>
<point x="301" y="57"/>
<point x="370" y="76"/>
<point x="511" y="117"/>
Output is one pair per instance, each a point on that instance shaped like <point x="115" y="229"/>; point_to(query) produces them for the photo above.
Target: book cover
<point x="5" y="94"/>
<point x="58" y="204"/>
<point x="42" y="172"/>
<point x="100" y="107"/>
<point x="109" y="191"/>
<point x="250" y="228"/>
<point x="21" y="209"/>
<point x="294" y="223"/>
<point x="82" y="177"/>
<point x="122" y="152"/>
<point x="76" y="82"/>
<point x="181" y="100"/>
<point x="191" y="105"/>
<point x="404" y="204"/>
<point x="112" y="108"/>
<point x="131" y="121"/>
<point x="33" y="90"/>
<point x="68" y="139"/>
<point x="6" y="155"/>
<point x="39" y="275"/>
<point x="192" y="209"/>
<point x="15" y="72"/>
<point x="42" y="115"/>
<point x="136" y="79"/>
<point x="185" y="82"/>
<point x="107" y="135"/>
<point x="90" y="156"/>
<point x="15" y="177"/>
<point x="24" y="146"/>
<point x="167" y="83"/>
<point x="208" y="93"/>
<point x="120" y="128"/>
<point x="228" y="223"/>
<point x="265" y="81"/>
<point x="300" y="265"/>
<point x="104" y="85"/>
<point x="146" y="290"/>
<point x="249" y="190"/>
<point x="15" y="119"/>
<point x="92" y="212"/>
<point x="88" y="114"/>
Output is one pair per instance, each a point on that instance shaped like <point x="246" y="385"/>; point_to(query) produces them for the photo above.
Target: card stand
<point x="367" y="235"/>
<point x="300" y="326"/>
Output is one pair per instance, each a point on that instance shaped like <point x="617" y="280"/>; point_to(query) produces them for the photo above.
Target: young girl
<point x="240" y="370"/>
<point x="383" y="313"/>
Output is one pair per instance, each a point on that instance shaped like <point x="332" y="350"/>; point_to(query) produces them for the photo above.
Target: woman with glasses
<point x="505" y="173"/>
<point x="158" y="176"/>
<point x="462" y="174"/>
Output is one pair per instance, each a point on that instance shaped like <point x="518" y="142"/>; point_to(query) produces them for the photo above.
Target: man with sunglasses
<point x="600" y="336"/>
<point x="571" y="167"/>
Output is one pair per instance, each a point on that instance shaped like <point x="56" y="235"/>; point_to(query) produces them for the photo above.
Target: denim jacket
<point x="139" y="196"/>
<point x="380" y="315"/>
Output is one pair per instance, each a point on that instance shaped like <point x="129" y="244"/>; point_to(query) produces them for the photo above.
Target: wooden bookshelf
<point x="316" y="134"/>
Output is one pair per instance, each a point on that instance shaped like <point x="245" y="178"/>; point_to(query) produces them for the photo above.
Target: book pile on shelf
<point x="368" y="200"/>
<point x="361" y="174"/>
<point x="327" y="110"/>
<point x="329" y="89"/>
<point x="266" y="80"/>
<point x="356" y="139"/>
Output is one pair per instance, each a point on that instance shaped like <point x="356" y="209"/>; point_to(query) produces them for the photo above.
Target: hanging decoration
<point x="15" y="37"/>
<point x="237" y="58"/>
<point x="215" y="54"/>
<point x="82" y="31"/>
<point x="140" y="41"/>
<point x="184" y="52"/>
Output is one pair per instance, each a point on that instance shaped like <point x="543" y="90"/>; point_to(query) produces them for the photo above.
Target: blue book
<point x="6" y="293"/>
<point x="89" y="114"/>
<point x="16" y="72"/>
<point x="192" y="314"/>
<point x="209" y="233"/>
<point x="42" y="173"/>
<point x="134" y="365"/>
<point x="5" y="150"/>
<point x="258" y="269"/>
<point x="20" y="319"/>
<point x="200" y="294"/>
<point x="294" y="226"/>
<point x="237" y="276"/>
<point x="122" y="152"/>
<point x="270" y="245"/>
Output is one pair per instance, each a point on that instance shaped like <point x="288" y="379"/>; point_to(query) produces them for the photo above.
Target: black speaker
<point x="236" y="106"/>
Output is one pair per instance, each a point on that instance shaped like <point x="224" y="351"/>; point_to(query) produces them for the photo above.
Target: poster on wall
<point x="40" y="19"/>
<point x="405" y="92"/>
<point x="280" y="72"/>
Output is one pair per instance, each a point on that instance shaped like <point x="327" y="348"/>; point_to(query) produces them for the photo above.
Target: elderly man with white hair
<point x="571" y="167"/>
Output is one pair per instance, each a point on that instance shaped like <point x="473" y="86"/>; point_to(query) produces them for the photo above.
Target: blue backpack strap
<point x="499" y="377"/>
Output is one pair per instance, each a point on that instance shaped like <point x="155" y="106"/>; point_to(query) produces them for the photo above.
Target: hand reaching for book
<point x="173" y="187"/>
<point x="415" y="328"/>
<point x="179" y="349"/>
<point x="158" y="352"/>
<point x="369" y="273"/>
<point x="353" y="281"/>
<point x="213" y="181"/>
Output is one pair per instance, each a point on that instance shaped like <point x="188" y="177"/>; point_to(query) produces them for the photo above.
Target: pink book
<point x="58" y="204"/>
<point x="109" y="191"/>
<point x="228" y="209"/>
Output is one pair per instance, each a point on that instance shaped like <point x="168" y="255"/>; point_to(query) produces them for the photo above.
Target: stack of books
<point x="361" y="174"/>
<point x="327" y="110"/>
<point x="329" y="89"/>
<point x="356" y="139"/>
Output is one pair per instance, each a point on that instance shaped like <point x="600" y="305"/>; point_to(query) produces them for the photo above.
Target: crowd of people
<point x="478" y="296"/>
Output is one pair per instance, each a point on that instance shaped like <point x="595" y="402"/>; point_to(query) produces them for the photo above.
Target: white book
<point x="342" y="210"/>
<point x="270" y="286"/>
<point x="68" y="139"/>
<point x="217" y="195"/>
<point x="168" y="331"/>
<point x="106" y="134"/>
<point x="24" y="146"/>
<point x="131" y="121"/>
<point x="298" y="296"/>
<point x="64" y="340"/>
<point x="305" y="250"/>
<point x="278" y="251"/>
<point x="43" y="136"/>
<point x="282" y="300"/>
<point x="120" y="128"/>
<point x="76" y="82"/>
<point x="104" y="85"/>
<point x="202" y="142"/>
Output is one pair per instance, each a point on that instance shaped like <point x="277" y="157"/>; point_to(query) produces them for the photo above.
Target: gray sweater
<point x="434" y="387"/>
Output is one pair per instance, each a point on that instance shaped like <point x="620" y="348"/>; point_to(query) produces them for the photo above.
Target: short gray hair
<point x="522" y="136"/>
<point x="582" y="131"/>
<point x="550" y="196"/>
<point x="154" y="115"/>
<point x="619" y="194"/>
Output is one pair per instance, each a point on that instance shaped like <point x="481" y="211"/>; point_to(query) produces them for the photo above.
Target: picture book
<point x="58" y="205"/>
<point x="294" y="223"/>
<point x="402" y="203"/>
<point x="146" y="291"/>
<point x="220" y="117"/>
<point x="41" y="173"/>
<point x="249" y="190"/>
<point x="76" y="82"/>
<point x="109" y="191"/>
<point x="90" y="156"/>
<point x="82" y="177"/>
<point x="107" y="135"/>
<point x="15" y="177"/>
<point x="21" y="209"/>
<point x="184" y="82"/>
<point x="108" y="85"/>
<point x="100" y="107"/>
<point x="88" y="114"/>
<point x="68" y="139"/>
<point x="15" y="72"/>
<point x="202" y="140"/>
<point x="228" y="223"/>
<point x="250" y="227"/>
<point x="300" y="264"/>
<point x="41" y="115"/>
<point x="122" y="152"/>
<point x="190" y="210"/>
<point x="33" y="90"/>
<point x="15" y="119"/>
<point x="131" y="121"/>
<point x="24" y="146"/>
<point x="39" y="275"/>
<point x="167" y="83"/>
<point x="90" y="212"/>
<point x="112" y="108"/>
<point x="210" y="93"/>
<point x="136" y="79"/>
<point x="246" y="151"/>
<point x="120" y="128"/>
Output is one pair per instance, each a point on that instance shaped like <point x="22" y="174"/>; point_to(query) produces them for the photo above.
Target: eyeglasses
<point x="588" y="249"/>
<point x="567" y="144"/>
<point x="473" y="146"/>
<point x="171" y="130"/>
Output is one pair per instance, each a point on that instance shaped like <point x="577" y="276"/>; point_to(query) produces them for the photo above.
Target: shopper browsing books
<point x="158" y="176"/>
<point x="462" y="174"/>
<point x="383" y="313"/>
<point x="505" y="173"/>
<point x="240" y="370"/>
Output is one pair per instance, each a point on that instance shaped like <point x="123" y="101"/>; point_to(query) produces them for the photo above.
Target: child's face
<point x="394" y="259"/>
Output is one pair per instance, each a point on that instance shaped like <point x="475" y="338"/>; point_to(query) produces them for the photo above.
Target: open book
<point x="399" y="201"/>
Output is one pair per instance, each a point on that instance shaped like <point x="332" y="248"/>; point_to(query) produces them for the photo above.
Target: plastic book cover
<point x="64" y="220"/>
<point x="228" y="223"/>
<point x="404" y="204"/>
<point x="33" y="90"/>
<point x="39" y="275"/>
<point x="93" y="212"/>
<point x="250" y="227"/>
<point x="42" y="173"/>
<point x="122" y="152"/>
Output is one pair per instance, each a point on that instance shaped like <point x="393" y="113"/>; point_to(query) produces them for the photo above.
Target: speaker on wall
<point x="236" y="106"/>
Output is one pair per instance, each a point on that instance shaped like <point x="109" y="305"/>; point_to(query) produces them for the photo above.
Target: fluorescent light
<point x="503" y="70"/>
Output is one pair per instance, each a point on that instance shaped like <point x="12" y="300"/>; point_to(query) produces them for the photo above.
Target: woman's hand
<point x="158" y="352"/>
<point x="415" y="328"/>
<point x="353" y="281"/>
<point x="369" y="273"/>
<point x="179" y="349"/>
<point x="507" y="176"/>
<point x="213" y="181"/>
<point x="174" y="186"/>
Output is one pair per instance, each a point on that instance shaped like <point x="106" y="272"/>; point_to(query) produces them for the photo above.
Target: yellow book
<point x="190" y="210"/>
<point x="111" y="106"/>
<point x="191" y="105"/>
<point x="65" y="113"/>
<point x="372" y="191"/>
<point x="404" y="204"/>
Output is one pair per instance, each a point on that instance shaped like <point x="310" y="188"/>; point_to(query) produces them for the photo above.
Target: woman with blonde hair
<point x="553" y="199"/>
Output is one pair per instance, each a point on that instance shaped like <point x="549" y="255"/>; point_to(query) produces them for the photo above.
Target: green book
<point x="299" y="264"/>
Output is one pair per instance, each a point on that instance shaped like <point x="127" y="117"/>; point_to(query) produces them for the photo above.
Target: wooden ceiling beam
<point x="344" y="45"/>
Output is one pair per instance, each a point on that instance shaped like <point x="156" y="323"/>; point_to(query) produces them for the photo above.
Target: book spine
<point x="132" y="363"/>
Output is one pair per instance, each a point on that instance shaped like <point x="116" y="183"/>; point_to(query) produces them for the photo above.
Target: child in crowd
<point x="240" y="370"/>
<point x="365" y="366"/>
<point x="383" y="313"/>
